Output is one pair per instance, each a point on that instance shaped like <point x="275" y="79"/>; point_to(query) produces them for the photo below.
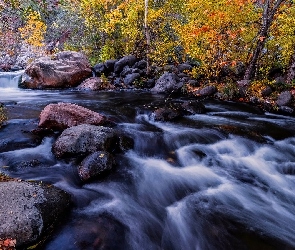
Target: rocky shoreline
<point x="72" y="69"/>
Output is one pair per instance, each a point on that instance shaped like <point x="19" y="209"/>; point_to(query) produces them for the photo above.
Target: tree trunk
<point x="147" y="34"/>
<point x="291" y="70"/>
<point x="267" y="19"/>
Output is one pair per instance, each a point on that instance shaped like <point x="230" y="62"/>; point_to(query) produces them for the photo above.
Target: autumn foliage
<point x="213" y="35"/>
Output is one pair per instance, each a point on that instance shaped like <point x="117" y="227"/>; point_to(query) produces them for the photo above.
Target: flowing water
<point x="220" y="180"/>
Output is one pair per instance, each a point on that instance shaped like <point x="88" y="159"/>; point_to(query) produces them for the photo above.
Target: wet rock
<point x="149" y="83"/>
<point x="167" y="83"/>
<point x="193" y="83"/>
<point x="29" y="210"/>
<point x="284" y="99"/>
<point x="166" y="114"/>
<point x="95" y="84"/>
<point x="184" y="67"/>
<point x="182" y="75"/>
<point x="99" y="232"/>
<point x="65" y="115"/>
<point x="99" y="69"/>
<point x="109" y="64"/>
<point x="131" y="78"/>
<point x="68" y="69"/>
<point x="17" y="135"/>
<point x="279" y="80"/>
<point x="118" y="82"/>
<point x="85" y="139"/>
<point x="286" y="110"/>
<point x="125" y="142"/>
<point x="266" y="91"/>
<point x="170" y="68"/>
<point x="127" y="70"/>
<point x="208" y="91"/>
<point x="126" y="60"/>
<point x="95" y="165"/>
<point x="193" y="107"/>
<point x="142" y="64"/>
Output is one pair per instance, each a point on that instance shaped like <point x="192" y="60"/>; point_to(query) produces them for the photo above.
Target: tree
<point x="147" y="34"/>
<point x="33" y="31"/>
<point x="270" y="9"/>
<point x="217" y="33"/>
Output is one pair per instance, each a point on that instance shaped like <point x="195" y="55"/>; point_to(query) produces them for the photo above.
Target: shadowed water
<point x="220" y="180"/>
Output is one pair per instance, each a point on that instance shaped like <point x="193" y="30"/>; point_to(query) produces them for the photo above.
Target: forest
<point x="147" y="125"/>
<point x="249" y="41"/>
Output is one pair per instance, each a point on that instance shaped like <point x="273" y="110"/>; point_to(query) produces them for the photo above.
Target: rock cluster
<point x="29" y="211"/>
<point x="83" y="136"/>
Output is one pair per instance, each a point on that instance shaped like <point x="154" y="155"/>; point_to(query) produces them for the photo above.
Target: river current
<point x="220" y="180"/>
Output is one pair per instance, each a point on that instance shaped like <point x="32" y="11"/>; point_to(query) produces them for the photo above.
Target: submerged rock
<point x="193" y="107"/>
<point x="65" y="115"/>
<point x="28" y="210"/>
<point x="166" y="114"/>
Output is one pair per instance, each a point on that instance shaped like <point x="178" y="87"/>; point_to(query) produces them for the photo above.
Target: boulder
<point x="208" y="90"/>
<point x="193" y="107"/>
<point x="29" y="210"/>
<point x="126" y="60"/>
<point x="167" y="83"/>
<point x="109" y="64"/>
<point x="284" y="99"/>
<point x="130" y="78"/>
<point x="99" y="69"/>
<point x="166" y="114"/>
<point x="85" y="139"/>
<point x="95" y="165"/>
<point x="142" y="64"/>
<point x="67" y="69"/>
<point x="266" y="91"/>
<point x="95" y="83"/>
<point x="65" y="115"/>
<point x="184" y="67"/>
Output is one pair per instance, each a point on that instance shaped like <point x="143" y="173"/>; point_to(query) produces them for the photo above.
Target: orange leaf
<point x="261" y="38"/>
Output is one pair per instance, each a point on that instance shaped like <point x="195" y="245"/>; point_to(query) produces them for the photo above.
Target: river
<point x="220" y="180"/>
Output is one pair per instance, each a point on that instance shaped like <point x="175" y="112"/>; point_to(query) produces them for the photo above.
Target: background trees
<point x="215" y="35"/>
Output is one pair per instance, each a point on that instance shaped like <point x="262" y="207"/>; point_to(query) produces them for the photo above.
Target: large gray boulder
<point x="167" y="83"/>
<point x="64" y="115"/>
<point x="29" y="209"/>
<point x="85" y="139"/>
<point x="67" y="69"/>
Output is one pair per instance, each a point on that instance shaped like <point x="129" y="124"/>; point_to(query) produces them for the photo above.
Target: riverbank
<point x="130" y="73"/>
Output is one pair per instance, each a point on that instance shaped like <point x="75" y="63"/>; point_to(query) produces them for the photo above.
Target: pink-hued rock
<point x="95" y="83"/>
<point x="65" y="115"/>
<point x="67" y="69"/>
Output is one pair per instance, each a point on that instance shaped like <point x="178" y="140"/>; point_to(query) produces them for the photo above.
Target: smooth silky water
<point x="220" y="180"/>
